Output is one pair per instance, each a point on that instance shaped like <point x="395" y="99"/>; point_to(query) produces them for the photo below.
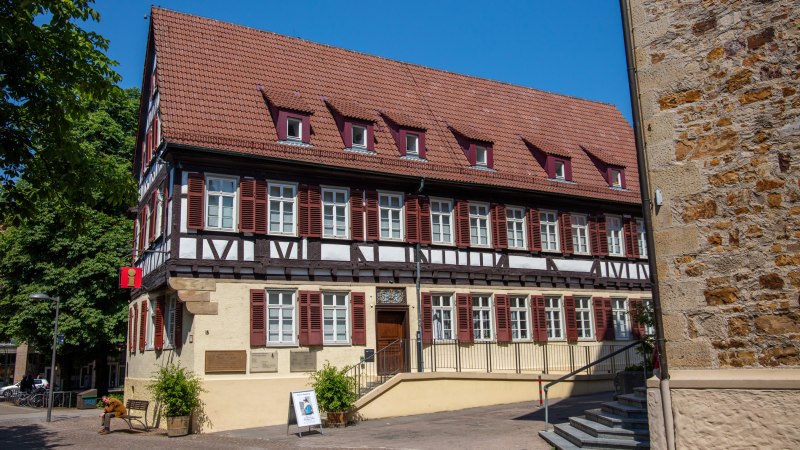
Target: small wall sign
<point x="130" y="277"/>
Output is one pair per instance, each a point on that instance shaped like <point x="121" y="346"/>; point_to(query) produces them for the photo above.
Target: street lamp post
<point x="53" y="359"/>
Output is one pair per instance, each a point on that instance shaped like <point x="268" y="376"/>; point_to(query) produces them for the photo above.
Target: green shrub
<point x="335" y="389"/>
<point x="176" y="390"/>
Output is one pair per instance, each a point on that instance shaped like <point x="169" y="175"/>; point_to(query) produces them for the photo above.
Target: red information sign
<point x="130" y="277"/>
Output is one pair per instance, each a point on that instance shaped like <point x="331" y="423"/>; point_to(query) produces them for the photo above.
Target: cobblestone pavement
<point x="512" y="426"/>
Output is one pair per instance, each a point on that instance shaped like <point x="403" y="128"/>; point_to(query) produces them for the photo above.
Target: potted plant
<point x="176" y="391"/>
<point x="336" y="393"/>
<point x="634" y="375"/>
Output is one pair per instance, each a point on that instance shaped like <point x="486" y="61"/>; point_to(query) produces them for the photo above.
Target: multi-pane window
<point x="334" y="317"/>
<point x="482" y="317"/>
<point x="334" y="213"/>
<point x="641" y="238"/>
<point x="282" y="208"/>
<point x="441" y="221"/>
<point x="552" y="312"/>
<point x="359" y="136"/>
<point x="391" y="212"/>
<point x="622" y="330"/>
<point x="479" y="224"/>
<point x="280" y="317"/>
<point x="147" y="218"/>
<point x="519" y="318"/>
<point x="560" y="172"/>
<point x="481" y="156"/>
<point x="583" y="317"/>
<point x="616" y="178"/>
<point x="548" y="226"/>
<point x="159" y="212"/>
<point x="412" y="144"/>
<point x="294" y="129"/>
<point x="515" y="224"/>
<point x="442" y="317"/>
<point x="615" y="238"/>
<point x="220" y="201"/>
<point x="647" y="304"/>
<point x="169" y="322"/>
<point x="580" y="234"/>
<point x="151" y="324"/>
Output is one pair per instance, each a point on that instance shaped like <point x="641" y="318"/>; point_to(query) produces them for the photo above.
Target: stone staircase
<point x="620" y="424"/>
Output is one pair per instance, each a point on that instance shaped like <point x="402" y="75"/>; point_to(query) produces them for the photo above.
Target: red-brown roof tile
<point x="403" y="120"/>
<point x="604" y="155"/>
<point x="548" y="147"/>
<point x="352" y="109"/>
<point x="209" y="73"/>
<point x="286" y="100"/>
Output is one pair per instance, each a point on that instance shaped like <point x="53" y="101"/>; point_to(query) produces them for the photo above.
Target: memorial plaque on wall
<point x="263" y="362"/>
<point x="226" y="361"/>
<point x="302" y="361"/>
<point x="391" y="296"/>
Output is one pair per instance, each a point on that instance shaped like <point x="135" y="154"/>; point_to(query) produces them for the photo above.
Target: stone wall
<point x="721" y="116"/>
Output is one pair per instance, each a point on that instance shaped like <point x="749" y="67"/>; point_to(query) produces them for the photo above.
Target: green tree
<point x="51" y="70"/>
<point x="79" y="261"/>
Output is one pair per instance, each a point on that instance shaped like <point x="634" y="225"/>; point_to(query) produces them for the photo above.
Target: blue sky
<point x="571" y="47"/>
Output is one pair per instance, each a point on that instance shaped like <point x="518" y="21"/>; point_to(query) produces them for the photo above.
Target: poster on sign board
<point x="303" y="409"/>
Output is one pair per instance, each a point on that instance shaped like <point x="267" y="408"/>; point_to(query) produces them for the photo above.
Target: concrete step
<point x="585" y="440"/>
<point x="610" y="419"/>
<point x="599" y="430"/>
<point x="625" y="410"/>
<point x="640" y="391"/>
<point x="557" y="441"/>
<point x="633" y="400"/>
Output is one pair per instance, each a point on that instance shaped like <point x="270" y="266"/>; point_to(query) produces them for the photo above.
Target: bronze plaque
<point x="226" y="361"/>
<point x="263" y="362"/>
<point x="302" y="361"/>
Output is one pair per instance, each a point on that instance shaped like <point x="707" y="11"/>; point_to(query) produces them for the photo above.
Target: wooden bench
<point x="138" y="405"/>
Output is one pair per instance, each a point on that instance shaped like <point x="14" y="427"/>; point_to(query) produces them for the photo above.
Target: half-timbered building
<point x="301" y="203"/>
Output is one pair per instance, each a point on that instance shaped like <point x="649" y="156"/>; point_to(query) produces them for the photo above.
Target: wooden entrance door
<point x="392" y="341"/>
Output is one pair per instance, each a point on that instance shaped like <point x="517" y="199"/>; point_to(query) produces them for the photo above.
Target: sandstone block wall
<point x="721" y="116"/>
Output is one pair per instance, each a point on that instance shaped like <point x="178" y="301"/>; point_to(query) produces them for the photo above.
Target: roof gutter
<point x="647" y="211"/>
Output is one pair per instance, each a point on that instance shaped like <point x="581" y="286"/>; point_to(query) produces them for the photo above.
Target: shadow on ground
<point x="563" y="409"/>
<point x="27" y="437"/>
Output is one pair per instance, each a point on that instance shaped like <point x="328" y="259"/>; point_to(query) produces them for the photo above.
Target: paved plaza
<point x="513" y="426"/>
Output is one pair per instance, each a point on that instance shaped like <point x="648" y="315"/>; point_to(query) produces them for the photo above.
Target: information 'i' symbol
<point x="131" y="276"/>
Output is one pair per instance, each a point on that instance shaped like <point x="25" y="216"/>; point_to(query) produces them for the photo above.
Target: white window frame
<point x="280" y="307"/>
<point x="346" y="207"/>
<point x="514" y="224"/>
<point x="520" y="315"/>
<point x="548" y="230"/>
<point x="616" y="178"/>
<point x="622" y="324"/>
<point x="477" y="218"/>
<point x="282" y="205"/>
<point x="560" y="171"/>
<point x="615" y="236"/>
<point x="353" y="143"/>
<point x="390" y="209"/>
<point x="442" y="305"/>
<point x="580" y="230"/>
<point x="234" y="208"/>
<point x="149" y="343"/>
<point x="641" y="238"/>
<point x="412" y="151"/>
<point x="441" y="216"/>
<point x="299" y="137"/>
<point x="159" y="212"/>
<point x="170" y="309"/>
<point x="480" y="314"/>
<point x="647" y="303"/>
<point x="148" y="216"/>
<point x="584" y="314"/>
<point x="554" y="317"/>
<point x="338" y="309"/>
<point x="481" y="150"/>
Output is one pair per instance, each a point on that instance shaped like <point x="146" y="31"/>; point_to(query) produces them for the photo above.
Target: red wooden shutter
<point x="195" y="214"/>
<point x="631" y="244"/>
<point x="310" y="318"/>
<point x="427" y="318"/>
<point x="131" y="327"/>
<point x="258" y="322"/>
<point x="503" y="314"/>
<point x="358" y="304"/>
<point x="261" y="207"/>
<point x="534" y="230"/>
<point x="464" y="306"/>
<point x="143" y="326"/>
<point x="357" y="214"/>
<point x="565" y="222"/>
<point x="151" y="233"/>
<point x="156" y="134"/>
<point x="158" y="324"/>
<point x="412" y="219"/>
<point x="608" y="309"/>
<point x="570" y="318"/>
<point x="373" y="219"/>
<point x="599" y="318"/>
<point x="310" y="211"/>
<point x="302" y="304"/>
<point x="178" y="324"/>
<point x="302" y="210"/>
<point x="133" y="324"/>
<point x="499" y="226"/>
<point x="462" y="223"/>
<point x="424" y="220"/>
<point x="637" y="328"/>
<point x="599" y="235"/>
<point x="539" y="318"/>
<point x="247" y="205"/>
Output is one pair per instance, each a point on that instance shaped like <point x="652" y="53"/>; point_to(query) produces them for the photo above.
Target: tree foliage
<point x="51" y="72"/>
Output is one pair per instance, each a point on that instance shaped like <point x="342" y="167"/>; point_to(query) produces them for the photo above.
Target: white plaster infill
<point x="756" y="379"/>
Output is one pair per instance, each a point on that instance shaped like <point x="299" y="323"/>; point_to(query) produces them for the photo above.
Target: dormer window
<point x="610" y="166"/>
<point x="615" y="177"/>
<point x="555" y="158"/>
<point x="291" y="115"/>
<point x="359" y="136"/>
<point x="408" y="134"/>
<point x="294" y="129"/>
<point x="477" y="147"/>
<point x="481" y="155"/>
<point x="412" y="144"/>
<point x="560" y="170"/>
<point x="356" y="124"/>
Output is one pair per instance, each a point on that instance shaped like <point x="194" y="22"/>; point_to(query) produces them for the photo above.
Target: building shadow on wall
<point x="562" y="409"/>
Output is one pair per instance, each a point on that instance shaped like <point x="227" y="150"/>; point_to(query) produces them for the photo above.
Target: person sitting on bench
<point x="113" y="408"/>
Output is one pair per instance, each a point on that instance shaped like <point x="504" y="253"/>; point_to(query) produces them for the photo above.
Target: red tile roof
<point x="210" y="72"/>
<point x="548" y="147"/>
<point x="352" y="110"/>
<point x="604" y="155"/>
<point x="469" y="131"/>
<point x="286" y="100"/>
<point x="403" y="120"/>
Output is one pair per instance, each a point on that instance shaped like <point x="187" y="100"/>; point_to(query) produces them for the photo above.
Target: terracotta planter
<point x="337" y="418"/>
<point x="178" y="426"/>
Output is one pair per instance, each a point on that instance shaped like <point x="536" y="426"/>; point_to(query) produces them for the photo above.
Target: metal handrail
<point x="355" y="370"/>
<point x="576" y="371"/>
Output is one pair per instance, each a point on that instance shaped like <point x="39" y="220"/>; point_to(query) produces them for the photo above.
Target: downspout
<point x="420" y="361"/>
<point x="644" y="184"/>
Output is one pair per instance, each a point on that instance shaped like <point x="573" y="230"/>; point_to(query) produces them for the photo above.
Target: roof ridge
<point x="476" y="77"/>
